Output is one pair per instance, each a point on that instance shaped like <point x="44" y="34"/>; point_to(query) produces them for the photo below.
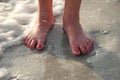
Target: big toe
<point x="40" y="45"/>
<point x="75" y="50"/>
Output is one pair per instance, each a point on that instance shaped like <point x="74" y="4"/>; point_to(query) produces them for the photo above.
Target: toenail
<point x="77" y="51"/>
<point x="39" y="47"/>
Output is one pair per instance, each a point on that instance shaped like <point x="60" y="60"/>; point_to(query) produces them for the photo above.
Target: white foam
<point x="7" y="34"/>
<point x="4" y="74"/>
<point x="2" y="18"/>
<point x="21" y="18"/>
<point x="28" y="6"/>
<point x="10" y="24"/>
<point x="58" y="7"/>
<point x="21" y="12"/>
<point x="57" y="10"/>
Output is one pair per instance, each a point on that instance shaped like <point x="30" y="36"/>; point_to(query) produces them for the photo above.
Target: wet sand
<point x="100" y="19"/>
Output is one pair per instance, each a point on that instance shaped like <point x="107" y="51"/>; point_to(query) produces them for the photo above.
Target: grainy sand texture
<point x="99" y="18"/>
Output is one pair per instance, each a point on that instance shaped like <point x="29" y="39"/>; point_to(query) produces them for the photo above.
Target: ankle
<point x="46" y="18"/>
<point x="70" y="19"/>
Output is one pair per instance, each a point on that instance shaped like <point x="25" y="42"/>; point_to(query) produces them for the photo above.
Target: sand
<point x="100" y="19"/>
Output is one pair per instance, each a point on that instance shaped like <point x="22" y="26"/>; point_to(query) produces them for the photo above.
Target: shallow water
<point x="99" y="18"/>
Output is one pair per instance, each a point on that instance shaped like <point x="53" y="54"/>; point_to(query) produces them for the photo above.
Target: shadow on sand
<point x="102" y="62"/>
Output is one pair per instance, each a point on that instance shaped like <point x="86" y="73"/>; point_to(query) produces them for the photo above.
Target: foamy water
<point x="16" y="16"/>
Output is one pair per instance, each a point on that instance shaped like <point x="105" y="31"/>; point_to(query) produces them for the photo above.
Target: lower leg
<point x="45" y="10"/>
<point x="71" y="12"/>
<point x="37" y="34"/>
<point x="78" y="40"/>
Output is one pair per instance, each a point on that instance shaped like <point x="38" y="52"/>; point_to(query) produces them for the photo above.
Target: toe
<point x="86" y="47"/>
<point x="90" y="45"/>
<point x="76" y="51"/>
<point x="82" y="48"/>
<point x="26" y="40"/>
<point x="33" y="43"/>
<point x="29" y="42"/>
<point x="40" y="45"/>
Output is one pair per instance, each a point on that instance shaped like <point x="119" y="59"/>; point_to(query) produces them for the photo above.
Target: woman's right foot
<point x="38" y="32"/>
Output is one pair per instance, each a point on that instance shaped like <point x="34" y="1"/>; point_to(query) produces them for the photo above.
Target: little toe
<point x="26" y="40"/>
<point x="33" y="43"/>
<point x="40" y="45"/>
<point x="76" y="51"/>
<point x="90" y="45"/>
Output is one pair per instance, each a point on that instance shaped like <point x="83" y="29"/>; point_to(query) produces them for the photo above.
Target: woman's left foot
<point x="79" y="42"/>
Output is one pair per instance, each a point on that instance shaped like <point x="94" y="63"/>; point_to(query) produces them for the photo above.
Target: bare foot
<point x="79" y="42"/>
<point x="37" y="33"/>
